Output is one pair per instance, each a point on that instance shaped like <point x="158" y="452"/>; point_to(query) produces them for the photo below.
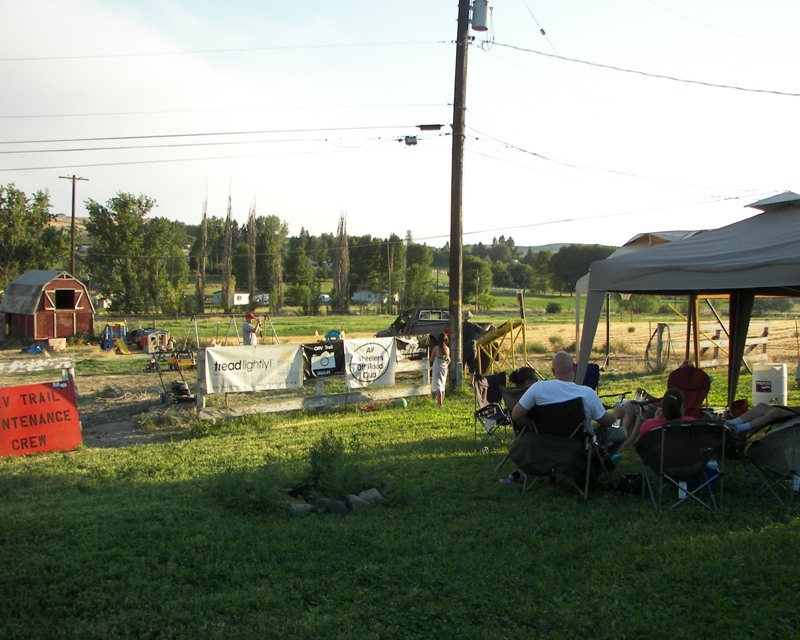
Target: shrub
<point x="620" y="346"/>
<point x="537" y="347"/>
<point x="335" y="468"/>
<point x="553" y="308"/>
<point x="556" y="342"/>
<point x="631" y="329"/>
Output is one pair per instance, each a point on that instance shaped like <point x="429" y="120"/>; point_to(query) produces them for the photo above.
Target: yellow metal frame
<point x="503" y="349"/>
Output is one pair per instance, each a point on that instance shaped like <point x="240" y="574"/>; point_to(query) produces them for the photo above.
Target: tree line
<point x="145" y="264"/>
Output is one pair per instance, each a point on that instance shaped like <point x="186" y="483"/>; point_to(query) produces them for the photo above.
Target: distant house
<point x="260" y="297"/>
<point x="102" y="303"/>
<point x="365" y="297"/>
<point x="235" y="299"/>
<point x="41" y="305"/>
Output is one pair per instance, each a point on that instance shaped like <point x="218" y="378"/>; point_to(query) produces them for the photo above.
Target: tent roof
<point x="761" y="254"/>
<point x="637" y="242"/>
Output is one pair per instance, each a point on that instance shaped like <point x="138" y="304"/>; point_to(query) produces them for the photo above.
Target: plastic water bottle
<point x="796" y="482"/>
<point x="681" y="491"/>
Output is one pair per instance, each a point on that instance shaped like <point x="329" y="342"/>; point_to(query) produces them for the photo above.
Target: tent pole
<point x="696" y="329"/>
<point x="608" y="330"/>
<point x="740" y="309"/>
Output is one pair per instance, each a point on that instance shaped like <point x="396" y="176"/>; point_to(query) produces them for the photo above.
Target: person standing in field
<point x="249" y="328"/>
<point x="440" y="359"/>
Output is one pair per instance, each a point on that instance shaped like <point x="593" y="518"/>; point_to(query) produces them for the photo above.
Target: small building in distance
<point x="42" y="305"/>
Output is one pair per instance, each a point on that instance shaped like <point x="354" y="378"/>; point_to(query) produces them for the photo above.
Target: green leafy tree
<point x="539" y="261"/>
<point x="572" y="261"/>
<point x="501" y="275"/>
<point x="27" y="240"/>
<point x="367" y="264"/>
<point x="639" y="304"/>
<point x="297" y="267"/>
<point x="341" y="267"/>
<point x="419" y="286"/>
<point x="477" y="278"/>
<point x="419" y="289"/>
<point x="163" y="268"/>
<point x="270" y="244"/>
<point x="502" y="250"/>
<point x="395" y="268"/>
<point x="200" y="255"/>
<point x="521" y="275"/>
<point x="117" y="233"/>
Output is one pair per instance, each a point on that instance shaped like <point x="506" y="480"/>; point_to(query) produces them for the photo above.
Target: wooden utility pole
<point x="456" y="227"/>
<point x="74" y="179"/>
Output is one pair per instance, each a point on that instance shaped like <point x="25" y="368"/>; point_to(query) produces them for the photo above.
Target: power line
<point x="221" y="110"/>
<point x="573" y="164"/>
<point x="84" y="165"/>
<point x="142" y="54"/>
<point x="212" y="133"/>
<point x="648" y="74"/>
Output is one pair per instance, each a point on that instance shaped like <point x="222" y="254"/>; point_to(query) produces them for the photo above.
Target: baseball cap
<point x="250" y="315"/>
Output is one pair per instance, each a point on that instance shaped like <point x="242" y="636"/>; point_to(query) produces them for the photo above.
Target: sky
<point x="586" y="121"/>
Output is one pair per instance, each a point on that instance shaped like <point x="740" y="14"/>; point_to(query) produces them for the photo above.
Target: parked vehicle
<point x="418" y="321"/>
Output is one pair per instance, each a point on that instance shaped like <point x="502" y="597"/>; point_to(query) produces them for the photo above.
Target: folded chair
<point x="775" y="458"/>
<point x="559" y="441"/>
<point x="676" y="456"/>
<point x="490" y="417"/>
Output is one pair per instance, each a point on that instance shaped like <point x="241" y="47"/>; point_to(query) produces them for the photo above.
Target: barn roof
<point x="23" y="294"/>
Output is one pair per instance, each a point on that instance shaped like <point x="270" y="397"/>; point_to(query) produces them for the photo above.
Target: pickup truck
<point x="417" y="321"/>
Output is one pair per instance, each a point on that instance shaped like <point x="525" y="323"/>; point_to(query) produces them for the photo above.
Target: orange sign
<point x="39" y="417"/>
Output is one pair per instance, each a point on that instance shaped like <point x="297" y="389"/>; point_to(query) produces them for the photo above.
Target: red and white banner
<point x="369" y="362"/>
<point x="259" y="368"/>
<point x="39" y="417"/>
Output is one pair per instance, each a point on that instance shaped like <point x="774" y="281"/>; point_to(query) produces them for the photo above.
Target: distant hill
<point x="542" y="247"/>
<point x="64" y="221"/>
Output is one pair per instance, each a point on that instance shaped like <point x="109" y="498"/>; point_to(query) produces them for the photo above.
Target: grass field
<point x="188" y="539"/>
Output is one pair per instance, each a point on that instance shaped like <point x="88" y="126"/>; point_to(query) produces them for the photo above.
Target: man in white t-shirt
<point x="249" y="328"/>
<point x="562" y="389"/>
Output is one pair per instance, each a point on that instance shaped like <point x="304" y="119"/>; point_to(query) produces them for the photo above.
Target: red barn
<point x="40" y="305"/>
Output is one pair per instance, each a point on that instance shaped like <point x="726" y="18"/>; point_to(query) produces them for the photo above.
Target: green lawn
<point x="186" y="539"/>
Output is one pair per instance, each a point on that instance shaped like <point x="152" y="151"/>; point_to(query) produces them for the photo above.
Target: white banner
<point x="259" y="368"/>
<point x="369" y="362"/>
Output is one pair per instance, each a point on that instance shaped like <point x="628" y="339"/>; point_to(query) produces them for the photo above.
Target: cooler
<point x="769" y="384"/>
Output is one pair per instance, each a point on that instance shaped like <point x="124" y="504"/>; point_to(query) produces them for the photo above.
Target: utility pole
<point x="72" y="244"/>
<point x="456" y="228"/>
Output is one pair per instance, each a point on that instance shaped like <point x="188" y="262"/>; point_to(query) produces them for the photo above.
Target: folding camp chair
<point x="489" y="414"/>
<point x="559" y="440"/>
<point x="592" y="376"/>
<point x="591" y="379"/>
<point x="694" y="383"/>
<point x="775" y="458"/>
<point x="677" y="455"/>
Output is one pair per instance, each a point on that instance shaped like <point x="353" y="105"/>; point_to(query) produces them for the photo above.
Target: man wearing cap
<point x="470" y="333"/>
<point x="249" y="328"/>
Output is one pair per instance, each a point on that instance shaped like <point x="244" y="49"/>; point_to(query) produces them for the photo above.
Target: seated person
<point x="523" y="377"/>
<point x="760" y="416"/>
<point x="563" y="388"/>
<point x="643" y="407"/>
<point x="671" y="408"/>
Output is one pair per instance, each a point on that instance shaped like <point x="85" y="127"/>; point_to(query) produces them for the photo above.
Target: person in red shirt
<point x="672" y="408"/>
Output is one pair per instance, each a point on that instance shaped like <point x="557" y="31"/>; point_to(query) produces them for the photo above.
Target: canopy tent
<point x="639" y="241"/>
<point x="756" y="256"/>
